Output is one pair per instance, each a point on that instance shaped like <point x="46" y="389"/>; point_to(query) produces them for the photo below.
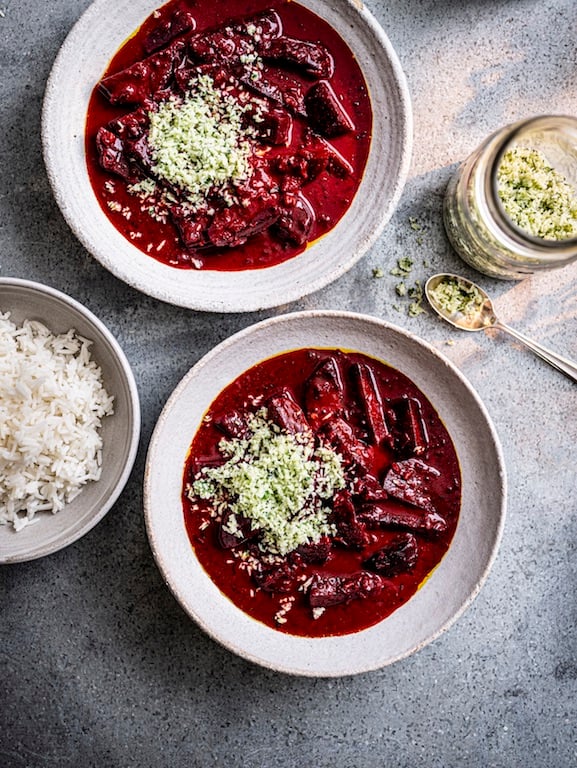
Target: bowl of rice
<point x="69" y="420"/>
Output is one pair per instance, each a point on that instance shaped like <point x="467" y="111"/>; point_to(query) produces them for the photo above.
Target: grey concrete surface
<point x="99" y="666"/>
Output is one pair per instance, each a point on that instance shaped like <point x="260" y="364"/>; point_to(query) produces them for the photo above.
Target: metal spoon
<point x="472" y="310"/>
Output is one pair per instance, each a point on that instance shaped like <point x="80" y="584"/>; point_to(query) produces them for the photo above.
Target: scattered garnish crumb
<point x="403" y="268"/>
<point x="415" y="309"/>
<point x="415" y="292"/>
<point x="401" y="289"/>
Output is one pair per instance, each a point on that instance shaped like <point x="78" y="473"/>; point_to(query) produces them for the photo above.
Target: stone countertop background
<point x="99" y="666"/>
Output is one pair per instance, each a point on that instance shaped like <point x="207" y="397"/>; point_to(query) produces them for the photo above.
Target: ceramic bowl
<point x="79" y="66"/>
<point x="449" y="589"/>
<point x="120" y="431"/>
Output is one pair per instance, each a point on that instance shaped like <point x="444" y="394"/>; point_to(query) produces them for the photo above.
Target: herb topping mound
<point x="277" y="481"/>
<point x="198" y="143"/>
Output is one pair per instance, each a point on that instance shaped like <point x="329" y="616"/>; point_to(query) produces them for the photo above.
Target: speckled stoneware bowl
<point x="120" y="431"/>
<point x="453" y="584"/>
<point x="81" y="63"/>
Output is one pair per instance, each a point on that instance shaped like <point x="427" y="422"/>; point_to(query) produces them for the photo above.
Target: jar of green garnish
<point x="511" y="207"/>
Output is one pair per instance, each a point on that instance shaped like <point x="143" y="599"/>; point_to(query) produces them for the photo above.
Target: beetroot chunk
<point x="219" y="47"/>
<point x="239" y="38"/>
<point x="140" y="153"/>
<point x="229" y="540"/>
<point x="412" y="438"/>
<point x="408" y="481"/>
<point x="313" y="58"/>
<point x="295" y="222"/>
<point x="268" y="26"/>
<point x="399" y="556"/>
<point x="143" y="80"/>
<point x="277" y="86"/>
<point x="255" y="210"/>
<point x="332" y="160"/>
<point x="372" y="404"/>
<point x="325" y="112"/>
<point x="187" y="73"/>
<point x="111" y="153"/>
<point x="235" y="225"/>
<point x="337" y="165"/>
<point x="333" y="590"/>
<point x="349" y="530"/>
<point x="390" y="514"/>
<point x="301" y="167"/>
<point x="324" y="393"/>
<point x="278" y="579"/>
<point x="131" y="126"/>
<point x="287" y="413"/>
<point x="191" y="228"/>
<point x="273" y="126"/>
<point x="168" y="24"/>
<point x="354" y="452"/>
<point x="233" y="424"/>
<point x="315" y="553"/>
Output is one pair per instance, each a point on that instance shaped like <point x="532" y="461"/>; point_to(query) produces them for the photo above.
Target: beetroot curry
<point x="228" y="135"/>
<point x="320" y="491"/>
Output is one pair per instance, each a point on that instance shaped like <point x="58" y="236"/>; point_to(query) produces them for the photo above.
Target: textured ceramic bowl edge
<point x="248" y="290"/>
<point x="307" y="670"/>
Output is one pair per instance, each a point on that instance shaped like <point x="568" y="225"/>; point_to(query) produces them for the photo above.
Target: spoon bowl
<point x="460" y="302"/>
<point x="465" y="305"/>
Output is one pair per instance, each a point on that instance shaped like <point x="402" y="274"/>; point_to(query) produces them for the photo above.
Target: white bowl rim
<point x="149" y="513"/>
<point x="67" y="538"/>
<point x="149" y="278"/>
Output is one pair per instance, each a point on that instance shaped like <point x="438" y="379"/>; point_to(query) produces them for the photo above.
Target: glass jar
<point x="477" y="225"/>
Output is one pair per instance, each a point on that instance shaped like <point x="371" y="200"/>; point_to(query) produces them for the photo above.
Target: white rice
<point x="52" y="401"/>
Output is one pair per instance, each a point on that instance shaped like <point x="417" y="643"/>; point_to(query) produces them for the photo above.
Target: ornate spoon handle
<point x="562" y="364"/>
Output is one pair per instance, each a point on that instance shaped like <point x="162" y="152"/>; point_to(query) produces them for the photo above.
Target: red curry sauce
<point x="415" y="522"/>
<point x="329" y="186"/>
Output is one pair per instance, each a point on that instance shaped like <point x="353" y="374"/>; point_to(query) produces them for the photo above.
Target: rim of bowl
<point x="175" y="588"/>
<point x="148" y="278"/>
